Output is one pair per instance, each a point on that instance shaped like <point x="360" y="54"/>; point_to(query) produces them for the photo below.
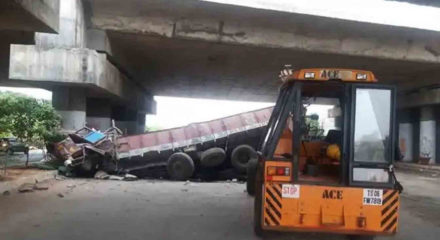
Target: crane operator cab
<point x="325" y="161"/>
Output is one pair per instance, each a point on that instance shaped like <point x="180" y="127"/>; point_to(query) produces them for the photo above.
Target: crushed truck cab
<point x="326" y="158"/>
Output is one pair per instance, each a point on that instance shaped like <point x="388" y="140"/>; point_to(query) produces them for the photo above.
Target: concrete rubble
<point x="30" y="187"/>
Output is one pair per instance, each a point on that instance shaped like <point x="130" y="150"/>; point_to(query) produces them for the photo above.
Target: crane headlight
<point x="309" y="75"/>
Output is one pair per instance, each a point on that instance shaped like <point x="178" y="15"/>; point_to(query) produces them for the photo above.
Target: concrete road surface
<point x="92" y="209"/>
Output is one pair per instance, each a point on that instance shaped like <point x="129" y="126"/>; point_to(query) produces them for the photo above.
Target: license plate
<point x="373" y="197"/>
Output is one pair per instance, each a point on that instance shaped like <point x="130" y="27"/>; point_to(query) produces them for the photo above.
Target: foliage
<point x="31" y="120"/>
<point x="153" y="128"/>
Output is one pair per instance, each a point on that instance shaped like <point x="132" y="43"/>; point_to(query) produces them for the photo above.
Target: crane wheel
<point x="251" y="176"/>
<point x="258" y="200"/>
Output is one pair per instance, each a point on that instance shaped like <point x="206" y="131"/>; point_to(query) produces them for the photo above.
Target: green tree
<point x="29" y="119"/>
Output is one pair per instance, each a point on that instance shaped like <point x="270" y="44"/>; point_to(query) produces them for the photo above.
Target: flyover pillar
<point x="419" y="133"/>
<point x="70" y="103"/>
<point x="130" y="121"/>
<point x="98" y="115"/>
<point x="427" y="135"/>
<point x="408" y="144"/>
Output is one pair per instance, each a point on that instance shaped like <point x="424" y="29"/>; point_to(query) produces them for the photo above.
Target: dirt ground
<point x="146" y="209"/>
<point x="16" y="173"/>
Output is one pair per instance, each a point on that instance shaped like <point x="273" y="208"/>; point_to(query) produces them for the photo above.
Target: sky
<point x="374" y="11"/>
<point x="31" y="92"/>
<point x="174" y="112"/>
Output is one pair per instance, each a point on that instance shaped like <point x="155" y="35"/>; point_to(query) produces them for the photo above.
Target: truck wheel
<point x="241" y="155"/>
<point x="180" y="166"/>
<point x="213" y="157"/>
<point x="258" y="202"/>
<point x="251" y="176"/>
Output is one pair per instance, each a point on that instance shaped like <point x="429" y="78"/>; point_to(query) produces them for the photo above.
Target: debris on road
<point x="115" y="177"/>
<point x="6" y="193"/>
<point x="41" y="186"/>
<point x="101" y="175"/>
<point x="130" y="177"/>
<point x="60" y="195"/>
<point x="30" y="187"/>
<point x="26" y="187"/>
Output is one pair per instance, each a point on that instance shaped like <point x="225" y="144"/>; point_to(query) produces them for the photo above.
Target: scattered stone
<point x="234" y="180"/>
<point x="187" y="182"/>
<point x="60" y="195"/>
<point x="71" y="186"/>
<point x="114" y="177"/>
<point x="26" y="187"/>
<point x="184" y="190"/>
<point x="130" y="177"/>
<point x="6" y="193"/>
<point x="101" y="175"/>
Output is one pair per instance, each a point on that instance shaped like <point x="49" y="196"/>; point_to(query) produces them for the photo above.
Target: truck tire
<point x="180" y="166"/>
<point x="251" y="176"/>
<point x="241" y="155"/>
<point x="213" y="157"/>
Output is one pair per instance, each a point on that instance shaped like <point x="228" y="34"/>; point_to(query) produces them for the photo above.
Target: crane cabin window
<point x="372" y="125"/>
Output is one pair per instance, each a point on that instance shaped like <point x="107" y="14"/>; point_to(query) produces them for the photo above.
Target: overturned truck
<point x="216" y="149"/>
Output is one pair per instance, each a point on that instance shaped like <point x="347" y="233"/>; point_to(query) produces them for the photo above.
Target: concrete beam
<point x="423" y="97"/>
<point x="222" y="23"/>
<point x="80" y="67"/>
<point x="30" y="15"/>
<point x="99" y="41"/>
<point x="420" y="2"/>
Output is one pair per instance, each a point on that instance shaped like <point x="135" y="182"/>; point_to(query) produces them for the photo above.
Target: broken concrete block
<point x="130" y="177"/>
<point x="101" y="175"/>
<point x="26" y="187"/>
<point x="114" y="177"/>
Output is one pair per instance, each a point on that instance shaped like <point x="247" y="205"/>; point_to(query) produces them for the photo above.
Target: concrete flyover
<point x="213" y="50"/>
<point x="234" y="52"/>
<point x="207" y="49"/>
